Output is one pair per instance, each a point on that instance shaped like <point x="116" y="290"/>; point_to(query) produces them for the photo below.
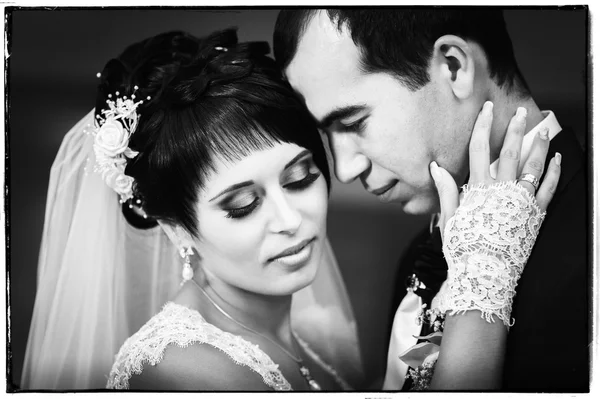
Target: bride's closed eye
<point x="241" y="205"/>
<point x="301" y="175"/>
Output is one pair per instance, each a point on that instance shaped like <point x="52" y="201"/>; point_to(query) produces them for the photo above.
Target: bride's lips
<point x="296" y="254"/>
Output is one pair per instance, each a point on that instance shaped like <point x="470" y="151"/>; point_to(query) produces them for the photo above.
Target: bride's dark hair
<point x="210" y="97"/>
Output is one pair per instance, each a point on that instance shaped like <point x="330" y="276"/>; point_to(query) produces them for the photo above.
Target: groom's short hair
<point x="400" y="41"/>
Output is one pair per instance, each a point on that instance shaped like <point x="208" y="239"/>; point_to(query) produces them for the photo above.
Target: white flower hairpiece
<point x="112" y="132"/>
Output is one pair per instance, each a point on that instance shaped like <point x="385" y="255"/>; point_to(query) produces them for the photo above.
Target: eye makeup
<point x="301" y="175"/>
<point x="241" y="212"/>
<point x="241" y="199"/>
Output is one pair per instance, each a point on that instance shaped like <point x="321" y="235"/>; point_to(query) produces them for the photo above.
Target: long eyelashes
<point x="298" y="185"/>
<point x="244" y="211"/>
<point x="305" y="182"/>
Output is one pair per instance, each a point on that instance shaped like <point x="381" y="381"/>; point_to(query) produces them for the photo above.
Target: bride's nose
<point x="286" y="217"/>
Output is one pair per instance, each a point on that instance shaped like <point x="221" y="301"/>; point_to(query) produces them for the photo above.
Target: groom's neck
<point x="505" y="107"/>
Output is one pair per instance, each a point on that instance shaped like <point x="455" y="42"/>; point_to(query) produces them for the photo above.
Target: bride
<point x="202" y="136"/>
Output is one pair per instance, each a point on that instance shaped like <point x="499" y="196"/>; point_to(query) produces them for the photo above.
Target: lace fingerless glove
<point x="486" y="245"/>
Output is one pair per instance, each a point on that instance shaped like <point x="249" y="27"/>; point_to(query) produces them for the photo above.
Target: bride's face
<point x="262" y="221"/>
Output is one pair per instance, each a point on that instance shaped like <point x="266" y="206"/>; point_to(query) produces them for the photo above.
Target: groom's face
<point x="379" y="131"/>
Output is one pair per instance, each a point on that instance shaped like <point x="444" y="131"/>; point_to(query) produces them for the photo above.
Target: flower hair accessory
<point x="112" y="132"/>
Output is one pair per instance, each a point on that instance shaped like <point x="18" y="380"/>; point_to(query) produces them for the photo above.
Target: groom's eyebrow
<point x="339" y="113"/>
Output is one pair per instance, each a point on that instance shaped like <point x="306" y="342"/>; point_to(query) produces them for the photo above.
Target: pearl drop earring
<point x="187" y="273"/>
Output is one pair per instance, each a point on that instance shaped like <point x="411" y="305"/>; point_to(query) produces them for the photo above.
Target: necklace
<point x="304" y="371"/>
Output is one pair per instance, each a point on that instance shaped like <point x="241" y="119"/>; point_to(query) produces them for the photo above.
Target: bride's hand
<point x="479" y="163"/>
<point x="487" y="238"/>
<point x="488" y="235"/>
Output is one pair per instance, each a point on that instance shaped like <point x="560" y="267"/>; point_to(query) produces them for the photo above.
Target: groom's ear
<point x="453" y="61"/>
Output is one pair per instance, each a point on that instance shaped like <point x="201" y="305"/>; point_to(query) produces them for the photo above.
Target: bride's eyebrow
<point x="231" y="188"/>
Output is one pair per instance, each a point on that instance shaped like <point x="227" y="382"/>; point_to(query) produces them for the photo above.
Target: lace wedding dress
<point x="182" y="326"/>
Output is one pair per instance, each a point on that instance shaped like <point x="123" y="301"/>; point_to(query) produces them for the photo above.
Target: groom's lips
<point x="384" y="193"/>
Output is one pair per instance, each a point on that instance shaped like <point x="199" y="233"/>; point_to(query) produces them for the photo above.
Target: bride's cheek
<point x="222" y="238"/>
<point x="318" y="201"/>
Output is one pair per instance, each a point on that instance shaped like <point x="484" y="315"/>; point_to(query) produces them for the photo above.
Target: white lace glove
<point x="486" y="244"/>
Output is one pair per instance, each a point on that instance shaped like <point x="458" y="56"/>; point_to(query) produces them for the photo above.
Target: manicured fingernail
<point x="433" y="167"/>
<point x="521" y="112"/>
<point x="544" y="133"/>
<point x="557" y="158"/>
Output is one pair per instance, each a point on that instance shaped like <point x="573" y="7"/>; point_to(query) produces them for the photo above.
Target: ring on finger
<point x="531" y="179"/>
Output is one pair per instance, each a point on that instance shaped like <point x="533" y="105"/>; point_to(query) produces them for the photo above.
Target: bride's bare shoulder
<point x="198" y="367"/>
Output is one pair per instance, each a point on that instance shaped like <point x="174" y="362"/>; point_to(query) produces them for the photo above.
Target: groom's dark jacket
<point x="549" y="345"/>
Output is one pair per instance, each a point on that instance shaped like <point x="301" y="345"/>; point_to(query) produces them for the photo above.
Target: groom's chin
<point x="421" y="205"/>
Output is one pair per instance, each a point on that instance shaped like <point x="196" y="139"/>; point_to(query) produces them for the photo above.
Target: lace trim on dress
<point x="181" y="326"/>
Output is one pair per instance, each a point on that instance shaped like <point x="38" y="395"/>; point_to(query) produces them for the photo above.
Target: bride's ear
<point x="177" y="235"/>
<point x="453" y="62"/>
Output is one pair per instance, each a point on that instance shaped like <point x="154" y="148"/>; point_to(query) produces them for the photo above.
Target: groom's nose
<point x="349" y="162"/>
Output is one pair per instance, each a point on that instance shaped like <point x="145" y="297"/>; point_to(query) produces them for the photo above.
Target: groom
<point x="396" y="89"/>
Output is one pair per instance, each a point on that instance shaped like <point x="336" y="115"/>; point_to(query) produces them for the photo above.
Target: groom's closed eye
<point x="356" y="125"/>
<point x="338" y="115"/>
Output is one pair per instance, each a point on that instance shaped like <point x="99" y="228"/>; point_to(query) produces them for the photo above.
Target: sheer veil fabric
<point x="99" y="280"/>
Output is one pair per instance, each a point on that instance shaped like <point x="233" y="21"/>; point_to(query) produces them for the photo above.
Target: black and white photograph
<point x="381" y="199"/>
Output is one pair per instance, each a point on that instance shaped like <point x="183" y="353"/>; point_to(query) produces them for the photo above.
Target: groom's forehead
<point x="322" y="40"/>
<point x="325" y="66"/>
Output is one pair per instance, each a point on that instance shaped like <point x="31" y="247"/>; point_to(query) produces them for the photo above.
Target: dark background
<point x="54" y="57"/>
